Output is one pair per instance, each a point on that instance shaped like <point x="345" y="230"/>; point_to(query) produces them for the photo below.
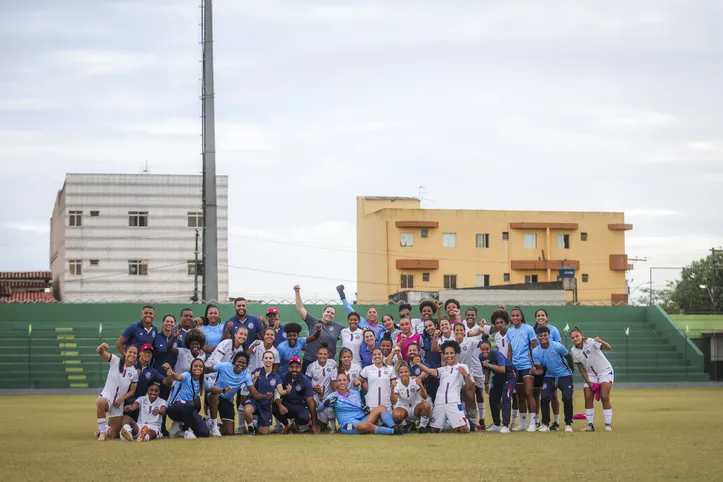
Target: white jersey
<point x="501" y="343"/>
<point x="591" y="357"/>
<point x="184" y="360"/>
<point x="417" y="325"/>
<point x="450" y="384"/>
<point x="467" y="330"/>
<point x="442" y="339"/>
<point x="118" y="383"/>
<point x="354" y="372"/>
<point x="379" y="381"/>
<point x="469" y="353"/>
<point x="408" y="397"/>
<point x="145" y="411"/>
<point x="223" y="353"/>
<point x="352" y="340"/>
<point x="256" y="360"/>
<point x="322" y="375"/>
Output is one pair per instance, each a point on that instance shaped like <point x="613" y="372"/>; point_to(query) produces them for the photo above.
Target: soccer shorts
<point x="151" y="428"/>
<point x="521" y="374"/>
<point x="479" y="382"/>
<point x="452" y="413"/>
<point x="226" y="409"/>
<point x="410" y="410"/>
<point x="348" y="427"/>
<point x="326" y="415"/>
<point x="263" y="412"/>
<point x="244" y="392"/>
<point x="607" y="376"/>
<point x="539" y="381"/>
<point x="113" y="411"/>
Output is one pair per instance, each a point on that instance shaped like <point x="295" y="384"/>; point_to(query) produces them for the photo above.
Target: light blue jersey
<point x="229" y="378"/>
<point x="348" y="407"/>
<point x="214" y="334"/>
<point x="554" y="333"/>
<point x="187" y="389"/>
<point x="286" y="352"/>
<point x="520" y="340"/>
<point x="553" y="359"/>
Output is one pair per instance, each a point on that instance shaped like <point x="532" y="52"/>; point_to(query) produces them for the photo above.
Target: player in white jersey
<point x="469" y="341"/>
<point x="598" y="374"/>
<point x="443" y="335"/>
<point x="322" y="374"/>
<point x="409" y="400"/>
<point x="120" y="384"/>
<point x="453" y="378"/>
<point x="347" y="365"/>
<point x="259" y="347"/>
<point x="376" y="380"/>
<point x="194" y="342"/>
<point x="353" y="337"/>
<point x="151" y="409"/>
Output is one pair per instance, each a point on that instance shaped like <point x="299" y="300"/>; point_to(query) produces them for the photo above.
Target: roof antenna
<point x="422" y="191"/>
<point x="145" y="171"/>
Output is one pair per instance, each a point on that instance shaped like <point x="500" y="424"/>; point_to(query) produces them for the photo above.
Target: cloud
<point x="650" y="212"/>
<point x="28" y="227"/>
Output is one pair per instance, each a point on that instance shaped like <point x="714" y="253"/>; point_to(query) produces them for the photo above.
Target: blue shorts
<point x="263" y="412"/>
<point x="521" y="374"/>
<point x="348" y="426"/>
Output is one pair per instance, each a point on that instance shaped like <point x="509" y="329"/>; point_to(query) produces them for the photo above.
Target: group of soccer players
<point x="429" y="374"/>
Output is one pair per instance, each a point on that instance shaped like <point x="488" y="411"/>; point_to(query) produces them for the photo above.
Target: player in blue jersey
<point x="297" y="407"/>
<point x="355" y="418"/>
<point x="368" y="323"/>
<point x="541" y="319"/>
<point x="235" y="376"/>
<point x="293" y="345"/>
<point x="431" y="354"/>
<point x="140" y="333"/>
<point x="522" y="340"/>
<point x="367" y="347"/>
<point x="266" y="381"/>
<point x="212" y="328"/>
<point x="499" y="386"/>
<point x="556" y="362"/>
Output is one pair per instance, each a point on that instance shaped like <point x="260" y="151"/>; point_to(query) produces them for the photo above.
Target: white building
<point x="131" y="237"/>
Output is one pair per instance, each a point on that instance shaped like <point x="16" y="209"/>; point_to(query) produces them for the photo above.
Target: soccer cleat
<point x="175" y="430"/>
<point x="590" y="428"/>
<point x="544" y="428"/>
<point x="554" y="427"/>
<point x="252" y="430"/>
<point x="189" y="435"/>
<point x="143" y="434"/>
<point x="518" y="428"/>
<point x="215" y="432"/>
<point x="482" y="426"/>
<point x="423" y="429"/>
<point x="493" y="428"/>
<point x="397" y="430"/>
<point x="241" y="430"/>
<point x="472" y="425"/>
<point x="126" y="433"/>
<point x="608" y="427"/>
<point x="278" y="428"/>
<point x="101" y="436"/>
<point x="568" y="428"/>
<point x="532" y="428"/>
<point x="291" y="428"/>
<point x="505" y="430"/>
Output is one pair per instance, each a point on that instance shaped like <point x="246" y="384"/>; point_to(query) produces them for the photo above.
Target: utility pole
<point x="714" y="268"/>
<point x="210" y="220"/>
<point x="195" y="271"/>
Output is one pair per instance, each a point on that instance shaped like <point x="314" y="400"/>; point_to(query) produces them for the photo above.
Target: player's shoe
<point x="493" y="428"/>
<point x="252" y="430"/>
<point x="568" y="429"/>
<point x="189" y="435"/>
<point x="518" y="428"/>
<point x="398" y="430"/>
<point x="143" y="434"/>
<point x="126" y="433"/>
<point x="482" y="426"/>
<point x="423" y="429"/>
<point x="554" y="427"/>
<point x="101" y="436"/>
<point x="215" y="432"/>
<point x="472" y="425"/>
<point x="532" y="427"/>
<point x="175" y="430"/>
<point x="505" y="430"/>
<point x="278" y="428"/>
<point x="544" y="428"/>
<point x="608" y="427"/>
<point x="97" y="432"/>
<point x="590" y="428"/>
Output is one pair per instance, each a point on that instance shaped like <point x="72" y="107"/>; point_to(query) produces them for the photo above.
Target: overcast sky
<point x="555" y="105"/>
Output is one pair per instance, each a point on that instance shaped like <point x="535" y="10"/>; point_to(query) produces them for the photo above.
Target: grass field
<point x="698" y="324"/>
<point x="659" y="434"/>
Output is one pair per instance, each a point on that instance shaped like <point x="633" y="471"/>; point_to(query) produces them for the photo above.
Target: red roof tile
<point x="28" y="297"/>
<point x="27" y="275"/>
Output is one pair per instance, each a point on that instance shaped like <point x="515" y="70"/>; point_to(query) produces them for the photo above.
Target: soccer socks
<point x="388" y="420"/>
<point x="513" y="416"/>
<point x="608" y="415"/>
<point x="590" y="415"/>
<point x="384" y="431"/>
<point x="423" y="421"/>
<point x="523" y="419"/>
<point x="102" y="425"/>
<point x="471" y="412"/>
<point x="481" y="410"/>
<point x="557" y="418"/>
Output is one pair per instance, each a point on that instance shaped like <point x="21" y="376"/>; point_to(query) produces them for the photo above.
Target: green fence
<point x="53" y="346"/>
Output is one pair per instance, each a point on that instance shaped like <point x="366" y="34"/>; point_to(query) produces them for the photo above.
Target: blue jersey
<point x="348" y="407"/>
<point x="266" y="383"/>
<point x="147" y="375"/>
<point x="137" y="335"/>
<point x="365" y="354"/>
<point x="187" y="389"/>
<point x="280" y="336"/>
<point x="227" y="377"/>
<point x="496" y="358"/>
<point x="554" y="333"/>
<point x="416" y="371"/>
<point x="251" y="323"/>
<point x="301" y="389"/>
<point x="160" y="353"/>
<point x="431" y="359"/>
<point x="286" y="352"/>
<point x="553" y="359"/>
<point x="214" y="334"/>
<point x="520" y="340"/>
<point x="393" y="334"/>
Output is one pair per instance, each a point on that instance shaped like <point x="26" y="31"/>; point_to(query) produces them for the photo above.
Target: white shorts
<point x="608" y="376"/>
<point x="452" y="413"/>
<point x="151" y="428"/>
<point x="113" y="411"/>
<point x="479" y="382"/>
<point x="410" y="410"/>
<point x="244" y="392"/>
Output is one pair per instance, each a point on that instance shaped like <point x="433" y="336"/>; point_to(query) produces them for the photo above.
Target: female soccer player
<point x="409" y="400"/>
<point x="120" y="384"/>
<point x="522" y="340"/>
<point x="293" y="345"/>
<point x="212" y="328"/>
<point x="352" y="337"/>
<point x="501" y="319"/>
<point x="596" y="370"/>
<point x="406" y="336"/>
<point x="376" y="380"/>
<point x="390" y="328"/>
<point x="431" y="355"/>
<point x="227" y="349"/>
<point x="266" y="380"/>
<point x="451" y="306"/>
<point x="260" y="347"/>
<point x="541" y="319"/>
<point x="151" y="409"/>
<point x="453" y="378"/>
<point x="322" y="373"/>
<point x="194" y="341"/>
<point x="368" y="323"/>
<point x="347" y="365"/>
<point x="553" y="359"/>
<point x="427" y="310"/>
<point x="366" y="349"/>
<point x="387" y="346"/>
<point x="469" y="356"/>
<point x="503" y="381"/>
<point x="444" y="334"/>
<point x="354" y="418"/>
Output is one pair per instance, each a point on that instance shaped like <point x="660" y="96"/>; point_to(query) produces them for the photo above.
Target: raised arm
<point x="605" y="345"/>
<point x="300" y="304"/>
<point x="316" y="334"/>
<point x="102" y="350"/>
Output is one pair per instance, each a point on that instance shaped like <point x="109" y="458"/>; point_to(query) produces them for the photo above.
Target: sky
<point x="555" y="105"/>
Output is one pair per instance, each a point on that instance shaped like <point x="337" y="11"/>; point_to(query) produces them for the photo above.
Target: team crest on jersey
<point x="331" y="329"/>
<point x="297" y="388"/>
<point x="413" y="390"/>
<point x="587" y="352"/>
<point x="251" y="326"/>
<point x="283" y="335"/>
<point x="386" y="372"/>
<point x="148" y="375"/>
<point x="238" y="380"/>
<point x="432" y="419"/>
<point x="544" y="386"/>
<point x="464" y="348"/>
<point x="356" y="337"/>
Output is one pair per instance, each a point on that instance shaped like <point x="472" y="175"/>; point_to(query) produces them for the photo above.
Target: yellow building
<point x="401" y="247"/>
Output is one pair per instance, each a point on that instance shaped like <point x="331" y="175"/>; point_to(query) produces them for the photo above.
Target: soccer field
<point x="659" y="434"/>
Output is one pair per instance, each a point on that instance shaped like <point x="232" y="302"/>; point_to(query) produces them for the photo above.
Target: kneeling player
<point x="119" y="385"/>
<point x="266" y="381"/>
<point x="151" y="409"/>
<point x="408" y="398"/>
<point x="355" y="418"/>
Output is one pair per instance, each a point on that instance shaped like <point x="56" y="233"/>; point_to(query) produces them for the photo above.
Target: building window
<point x="449" y="240"/>
<point x="425" y="232"/>
<point x="94" y="262"/>
<point x="138" y="219"/>
<point x="407" y="281"/>
<point x="482" y="240"/>
<point x="450" y="281"/>
<point x="563" y="241"/>
<point x="138" y="267"/>
<point x="195" y="219"/>
<point x="530" y="240"/>
<point x="406" y="240"/>
<point x="75" y="267"/>
<point x="530" y="278"/>
<point x="425" y="277"/>
<point x="75" y="218"/>
<point x="584" y="278"/>
<point x="505" y="236"/>
<point x="94" y="214"/>
<point x="583" y="236"/>
<point x="193" y="268"/>
<point x="506" y="277"/>
<point x="483" y="280"/>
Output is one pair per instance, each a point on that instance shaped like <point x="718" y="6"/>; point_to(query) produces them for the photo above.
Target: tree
<point x="663" y="297"/>
<point x="700" y="289"/>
